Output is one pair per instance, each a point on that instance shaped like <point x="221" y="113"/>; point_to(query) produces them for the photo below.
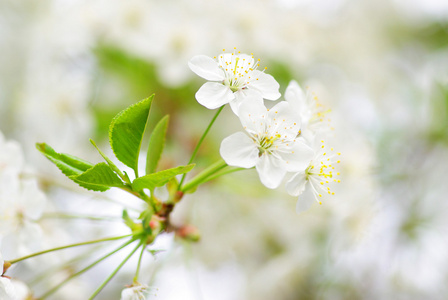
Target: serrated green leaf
<point x="68" y="164"/>
<point x="154" y="180"/>
<point x="126" y="132"/>
<point x="109" y="162"/>
<point x="156" y="145"/>
<point x="98" y="178"/>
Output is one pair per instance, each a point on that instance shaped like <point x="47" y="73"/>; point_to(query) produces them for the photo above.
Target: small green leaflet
<point x="126" y="132"/>
<point x="98" y="178"/>
<point x="109" y="162"/>
<point x="156" y="145"/>
<point x="68" y="164"/>
<point x="154" y="180"/>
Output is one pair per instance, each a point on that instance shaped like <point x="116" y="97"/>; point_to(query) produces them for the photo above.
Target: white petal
<point x="303" y="204"/>
<point x="245" y="62"/>
<point x="253" y="115"/>
<point x="213" y="95"/>
<point x="270" y="170"/>
<point x="206" y="67"/>
<point x="239" y="150"/>
<point x="284" y="120"/>
<point x="296" y="185"/>
<point x="298" y="157"/>
<point x="21" y="289"/>
<point x="32" y="200"/>
<point x="242" y="96"/>
<point x="7" y="291"/>
<point x="266" y="85"/>
<point x="295" y="96"/>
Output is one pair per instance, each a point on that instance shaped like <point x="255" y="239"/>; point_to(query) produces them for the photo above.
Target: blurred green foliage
<point x="439" y="113"/>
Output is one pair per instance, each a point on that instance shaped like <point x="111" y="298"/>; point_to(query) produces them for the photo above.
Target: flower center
<point x="266" y="142"/>
<point x="238" y="69"/>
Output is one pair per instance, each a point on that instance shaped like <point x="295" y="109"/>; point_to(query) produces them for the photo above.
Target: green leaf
<point x="109" y="162"/>
<point x="98" y="178"/>
<point x="154" y="180"/>
<point x="68" y="164"/>
<point x="126" y="132"/>
<point x="156" y="145"/>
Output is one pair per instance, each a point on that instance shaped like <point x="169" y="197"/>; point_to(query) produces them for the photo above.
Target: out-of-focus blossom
<point x="320" y="174"/>
<point x="234" y="79"/>
<point x="7" y="291"/>
<point x="11" y="158"/>
<point x="21" y="203"/>
<point x="270" y="144"/>
<point x="311" y="111"/>
<point x="136" y="291"/>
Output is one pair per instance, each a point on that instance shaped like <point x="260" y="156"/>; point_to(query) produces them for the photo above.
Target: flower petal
<point x="32" y="200"/>
<point x="296" y="185"/>
<point x="253" y="115"/>
<point x="303" y="204"/>
<point x="245" y="96"/>
<point x="213" y="95"/>
<point x="295" y="97"/>
<point x="265" y="84"/>
<point x="7" y="291"/>
<point x="239" y="150"/>
<point x="271" y="171"/>
<point x="297" y="157"/>
<point x="206" y="67"/>
<point x="284" y="120"/>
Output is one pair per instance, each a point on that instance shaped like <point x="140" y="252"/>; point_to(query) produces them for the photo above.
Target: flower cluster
<point x="21" y="202"/>
<point x="276" y="141"/>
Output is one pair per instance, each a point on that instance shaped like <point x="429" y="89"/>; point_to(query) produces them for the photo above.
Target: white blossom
<point x="269" y="144"/>
<point x="320" y="174"/>
<point x="311" y="111"/>
<point x="234" y="78"/>
<point x="7" y="291"/>
<point x="136" y="291"/>
<point x="21" y="203"/>
<point x="11" y="158"/>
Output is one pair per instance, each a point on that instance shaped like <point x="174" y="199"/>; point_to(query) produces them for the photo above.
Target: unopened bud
<point x="189" y="233"/>
<point x="178" y="196"/>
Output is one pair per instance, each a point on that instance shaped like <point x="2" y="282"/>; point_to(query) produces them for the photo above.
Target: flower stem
<point x="200" y="142"/>
<point x="54" y="289"/>
<point x="221" y="173"/>
<point x="109" y="278"/>
<point x="69" y="246"/>
<point x="137" y="273"/>
<point x="198" y="179"/>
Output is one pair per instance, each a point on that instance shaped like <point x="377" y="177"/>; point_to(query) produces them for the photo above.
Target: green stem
<point x="137" y="272"/>
<point x="109" y="278"/>
<point x="69" y="246"/>
<point x="54" y="289"/>
<point x="217" y="166"/>
<point x="221" y="173"/>
<point x="79" y="216"/>
<point x="200" y="142"/>
<point x="65" y="266"/>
